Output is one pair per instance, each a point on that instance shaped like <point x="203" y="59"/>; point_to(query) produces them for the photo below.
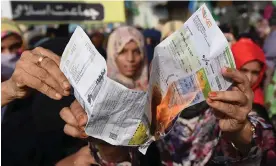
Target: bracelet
<point x="234" y="146"/>
<point x="252" y="129"/>
<point x="94" y="153"/>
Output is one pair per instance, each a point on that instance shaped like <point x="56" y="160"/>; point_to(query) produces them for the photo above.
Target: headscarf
<point x="117" y="41"/>
<point x="170" y="27"/>
<point x="244" y="51"/>
<point x="8" y="62"/>
<point x="9" y="27"/>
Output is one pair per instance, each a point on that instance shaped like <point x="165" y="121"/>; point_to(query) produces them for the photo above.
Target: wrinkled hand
<point x="232" y="107"/>
<point x="44" y="76"/>
<point x="80" y="158"/>
<point x="76" y="119"/>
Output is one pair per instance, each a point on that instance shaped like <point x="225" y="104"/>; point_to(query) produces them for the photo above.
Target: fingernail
<point x="209" y="100"/>
<point x="82" y="128"/>
<point x="81" y="120"/>
<point x="66" y="84"/>
<point x="84" y="135"/>
<point x="229" y="70"/>
<point x="212" y="94"/>
<point x="58" y="96"/>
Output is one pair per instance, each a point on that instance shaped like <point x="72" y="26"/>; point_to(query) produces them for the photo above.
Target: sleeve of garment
<point x="263" y="142"/>
<point x="95" y="153"/>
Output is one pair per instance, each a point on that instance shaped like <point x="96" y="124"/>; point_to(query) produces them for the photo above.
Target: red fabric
<point x="258" y="96"/>
<point x="244" y="51"/>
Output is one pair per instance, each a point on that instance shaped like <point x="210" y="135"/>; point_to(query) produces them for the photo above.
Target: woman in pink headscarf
<point x="126" y="60"/>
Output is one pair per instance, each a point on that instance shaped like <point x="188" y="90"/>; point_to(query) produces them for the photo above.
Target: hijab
<point x="8" y="61"/>
<point x="117" y="41"/>
<point x="244" y="51"/>
<point x="9" y="27"/>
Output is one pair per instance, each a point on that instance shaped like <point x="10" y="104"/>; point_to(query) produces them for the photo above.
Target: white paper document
<point x="185" y="68"/>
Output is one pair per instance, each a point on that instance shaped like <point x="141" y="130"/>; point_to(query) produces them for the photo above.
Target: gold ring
<point x="40" y="60"/>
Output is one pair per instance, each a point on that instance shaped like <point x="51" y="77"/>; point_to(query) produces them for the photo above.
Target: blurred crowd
<point x="33" y="132"/>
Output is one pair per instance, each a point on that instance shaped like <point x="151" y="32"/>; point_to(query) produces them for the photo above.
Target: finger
<point x="24" y="78"/>
<point x="48" y="53"/>
<point x="227" y="109"/>
<point x="249" y="94"/>
<point x="229" y="96"/>
<point x="240" y="79"/>
<point x="79" y="113"/>
<point x="74" y="131"/>
<point x="68" y="117"/>
<point x="52" y="68"/>
<point x="42" y="75"/>
<point x="234" y="88"/>
<point x="234" y="74"/>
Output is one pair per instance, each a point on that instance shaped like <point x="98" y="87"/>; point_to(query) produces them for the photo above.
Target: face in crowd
<point x="129" y="59"/>
<point x="11" y="44"/>
<point x="252" y="71"/>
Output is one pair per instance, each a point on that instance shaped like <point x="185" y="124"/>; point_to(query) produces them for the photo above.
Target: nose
<point x="130" y="56"/>
<point x="249" y="76"/>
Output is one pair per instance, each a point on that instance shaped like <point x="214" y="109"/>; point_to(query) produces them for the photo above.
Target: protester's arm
<point x="36" y="69"/>
<point x="7" y="93"/>
<point x="242" y="132"/>
<point x="263" y="141"/>
<point x="232" y="108"/>
<point x="80" y="158"/>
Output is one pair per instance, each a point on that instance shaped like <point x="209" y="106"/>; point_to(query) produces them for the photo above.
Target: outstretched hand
<point x="36" y="69"/>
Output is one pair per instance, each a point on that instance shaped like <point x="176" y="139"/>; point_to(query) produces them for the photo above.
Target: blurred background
<point x="50" y="18"/>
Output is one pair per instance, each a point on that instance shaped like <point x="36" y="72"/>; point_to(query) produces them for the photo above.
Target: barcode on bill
<point x="113" y="136"/>
<point x="218" y="83"/>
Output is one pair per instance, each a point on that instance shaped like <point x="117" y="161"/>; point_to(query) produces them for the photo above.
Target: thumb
<point x="79" y="113"/>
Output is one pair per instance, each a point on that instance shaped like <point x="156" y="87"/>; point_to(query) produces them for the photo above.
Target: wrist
<point x="243" y="136"/>
<point x="242" y="139"/>
<point x="105" y="153"/>
<point x="8" y="92"/>
<point x="67" y="161"/>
